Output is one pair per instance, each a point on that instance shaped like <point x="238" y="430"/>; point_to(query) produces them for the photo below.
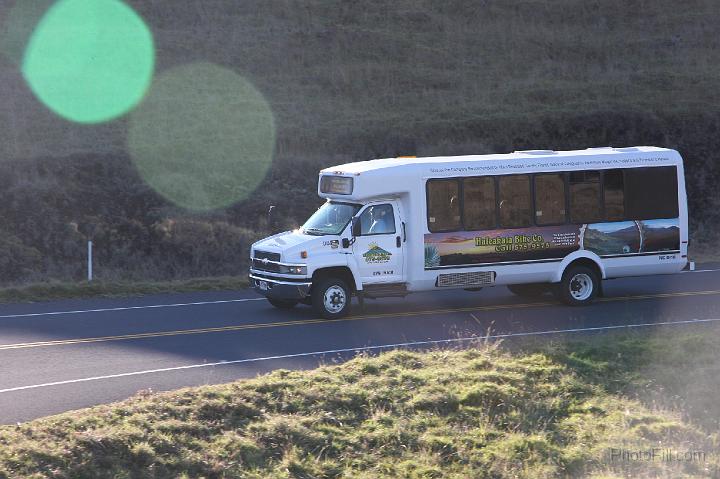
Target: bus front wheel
<point x="331" y="298"/>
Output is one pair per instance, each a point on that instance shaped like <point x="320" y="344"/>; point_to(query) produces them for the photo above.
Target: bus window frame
<point x="677" y="202"/>
<point x="531" y="188"/>
<point x="566" y="198"/>
<point x="496" y="222"/>
<point x="460" y="181"/>
<point x="602" y="187"/>
<point x="600" y="198"/>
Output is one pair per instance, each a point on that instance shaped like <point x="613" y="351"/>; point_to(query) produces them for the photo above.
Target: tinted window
<point x="549" y="199"/>
<point x="651" y="193"/>
<point x="514" y="200"/>
<point x="377" y="220"/>
<point x="585" y="196"/>
<point x="443" y="202"/>
<point x="614" y="188"/>
<point x="479" y="203"/>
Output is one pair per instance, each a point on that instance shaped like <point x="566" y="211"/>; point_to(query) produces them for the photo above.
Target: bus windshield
<point x="330" y="219"/>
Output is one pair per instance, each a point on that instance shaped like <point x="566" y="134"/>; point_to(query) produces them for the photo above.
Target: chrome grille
<point x="476" y="278"/>
<point x="266" y="261"/>
<point x="267" y="255"/>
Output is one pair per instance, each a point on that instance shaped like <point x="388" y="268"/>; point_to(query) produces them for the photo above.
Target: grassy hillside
<point x="351" y="81"/>
<point x="529" y="411"/>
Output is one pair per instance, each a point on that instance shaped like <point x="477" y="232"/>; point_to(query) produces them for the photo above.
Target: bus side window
<point x="479" y="203"/>
<point x="585" y="196"/>
<point x="514" y="201"/>
<point x="550" y="199"/>
<point x="614" y="189"/>
<point x="652" y="193"/>
<point x="443" y="205"/>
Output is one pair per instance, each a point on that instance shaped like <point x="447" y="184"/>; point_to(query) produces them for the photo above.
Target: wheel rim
<point x="581" y="287"/>
<point x="334" y="299"/>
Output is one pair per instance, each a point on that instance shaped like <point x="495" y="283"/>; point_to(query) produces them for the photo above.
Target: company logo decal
<point x="376" y="254"/>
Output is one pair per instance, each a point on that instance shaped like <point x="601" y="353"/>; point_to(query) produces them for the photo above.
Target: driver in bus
<point x="380" y="220"/>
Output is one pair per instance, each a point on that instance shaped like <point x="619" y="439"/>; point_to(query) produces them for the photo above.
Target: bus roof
<point x="359" y="167"/>
<point x="394" y="176"/>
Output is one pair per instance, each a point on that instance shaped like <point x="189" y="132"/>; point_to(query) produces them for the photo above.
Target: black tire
<point x="283" y="303"/>
<point x="332" y="289"/>
<point x="531" y="290"/>
<point x="573" y="280"/>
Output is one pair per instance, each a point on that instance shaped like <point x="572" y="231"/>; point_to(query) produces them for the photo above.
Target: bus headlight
<point x="294" y="269"/>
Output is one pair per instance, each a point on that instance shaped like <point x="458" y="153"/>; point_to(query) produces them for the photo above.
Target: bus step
<point x="385" y="290"/>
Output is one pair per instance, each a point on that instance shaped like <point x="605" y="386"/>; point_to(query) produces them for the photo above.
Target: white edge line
<point x="126" y="308"/>
<point x="355" y="350"/>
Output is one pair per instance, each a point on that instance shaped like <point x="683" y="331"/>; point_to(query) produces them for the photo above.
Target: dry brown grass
<point x="355" y="80"/>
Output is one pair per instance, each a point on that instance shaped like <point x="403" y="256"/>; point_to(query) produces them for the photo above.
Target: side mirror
<point x="355" y="226"/>
<point x="345" y="243"/>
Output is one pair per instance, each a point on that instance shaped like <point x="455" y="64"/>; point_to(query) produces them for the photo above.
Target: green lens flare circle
<point x="203" y="138"/>
<point x="90" y="61"/>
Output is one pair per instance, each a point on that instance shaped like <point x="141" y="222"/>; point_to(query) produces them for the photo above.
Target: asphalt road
<point x="64" y="355"/>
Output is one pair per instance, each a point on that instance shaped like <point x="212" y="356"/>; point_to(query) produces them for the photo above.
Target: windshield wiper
<point x="314" y="232"/>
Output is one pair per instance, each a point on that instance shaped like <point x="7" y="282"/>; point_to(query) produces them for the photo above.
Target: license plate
<point x="263" y="285"/>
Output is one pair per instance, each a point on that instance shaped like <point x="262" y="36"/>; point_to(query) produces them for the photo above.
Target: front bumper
<point x="280" y="288"/>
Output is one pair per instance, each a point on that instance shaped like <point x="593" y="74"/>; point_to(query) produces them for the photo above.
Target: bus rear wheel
<point x="579" y="286"/>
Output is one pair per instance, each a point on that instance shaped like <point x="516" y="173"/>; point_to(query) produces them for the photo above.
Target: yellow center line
<point x="242" y="327"/>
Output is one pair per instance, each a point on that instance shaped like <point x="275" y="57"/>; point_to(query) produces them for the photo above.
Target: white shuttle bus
<point x="533" y="220"/>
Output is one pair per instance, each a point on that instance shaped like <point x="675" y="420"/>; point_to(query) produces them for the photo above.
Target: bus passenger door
<point x="379" y="249"/>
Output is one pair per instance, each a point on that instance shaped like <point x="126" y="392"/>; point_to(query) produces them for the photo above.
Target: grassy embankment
<point x="704" y="253"/>
<point x="533" y="410"/>
<point x="121" y="289"/>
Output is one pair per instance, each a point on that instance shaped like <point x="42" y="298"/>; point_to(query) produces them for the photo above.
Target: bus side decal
<point x="463" y="248"/>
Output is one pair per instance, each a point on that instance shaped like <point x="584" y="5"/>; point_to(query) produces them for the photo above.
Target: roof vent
<point x="537" y="152"/>
<point x="600" y="148"/>
<point x="627" y="150"/>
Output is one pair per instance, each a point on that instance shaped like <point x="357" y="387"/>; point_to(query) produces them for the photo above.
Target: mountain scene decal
<point x="633" y="237"/>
